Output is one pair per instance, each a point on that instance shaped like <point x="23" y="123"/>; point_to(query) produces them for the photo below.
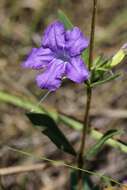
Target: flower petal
<point x="38" y="58"/>
<point x="75" y="41"/>
<point x="51" y="78"/>
<point x="76" y="70"/>
<point x="54" y="36"/>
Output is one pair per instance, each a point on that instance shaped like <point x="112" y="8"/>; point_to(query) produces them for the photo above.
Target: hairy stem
<point x="80" y="161"/>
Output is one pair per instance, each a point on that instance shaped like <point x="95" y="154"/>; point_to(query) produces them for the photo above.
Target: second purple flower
<point x="59" y="56"/>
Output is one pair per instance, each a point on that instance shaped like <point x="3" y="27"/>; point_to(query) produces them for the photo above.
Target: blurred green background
<point x="21" y="28"/>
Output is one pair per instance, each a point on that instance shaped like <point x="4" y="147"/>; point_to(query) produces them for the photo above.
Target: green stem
<point x="80" y="161"/>
<point x="26" y="104"/>
<point x="62" y="163"/>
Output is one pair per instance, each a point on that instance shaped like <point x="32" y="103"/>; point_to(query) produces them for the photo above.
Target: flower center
<point x="63" y="55"/>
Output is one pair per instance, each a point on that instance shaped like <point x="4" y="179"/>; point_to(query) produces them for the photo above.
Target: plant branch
<point x="73" y="123"/>
<point x="80" y="161"/>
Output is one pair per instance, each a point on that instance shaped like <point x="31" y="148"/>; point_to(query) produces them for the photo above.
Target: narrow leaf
<point x="113" y="77"/>
<point x="85" y="56"/>
<point x="63" y="18"/>
<point x="98" y="61"/>
<point x="68" y="25"/>
<point x="50" y="129"/>
<point x="98" y="146"/>
<point x="73" y="180"/>
<point x="28" y="105"/>
<point x="87" y="184"/>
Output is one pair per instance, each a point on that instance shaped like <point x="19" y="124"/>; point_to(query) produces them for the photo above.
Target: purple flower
<point x="59" y="56"/>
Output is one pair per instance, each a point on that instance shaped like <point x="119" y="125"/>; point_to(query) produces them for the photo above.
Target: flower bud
<point x="119" y="56"/>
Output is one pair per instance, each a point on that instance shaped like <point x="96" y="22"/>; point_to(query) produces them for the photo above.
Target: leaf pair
<point x="49" y="128"/>
<point x="101" y="72"/>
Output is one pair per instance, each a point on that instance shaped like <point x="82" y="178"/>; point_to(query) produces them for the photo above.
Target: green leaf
<point x="99" y="69"/>
<point x="63" y="18"/>
<point x="68" y="25"/>
<point x="100" y="62"/>
<point x="73" y="181"/>
<point x="97" y="61"/>
<point x="98" y="146"/>
<point x="87" y="184"/>
<point x="108" y="79"/>
<point x="50" y="129"/>
<point x="85" y="56"/>
<point x="28" y="105"/>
